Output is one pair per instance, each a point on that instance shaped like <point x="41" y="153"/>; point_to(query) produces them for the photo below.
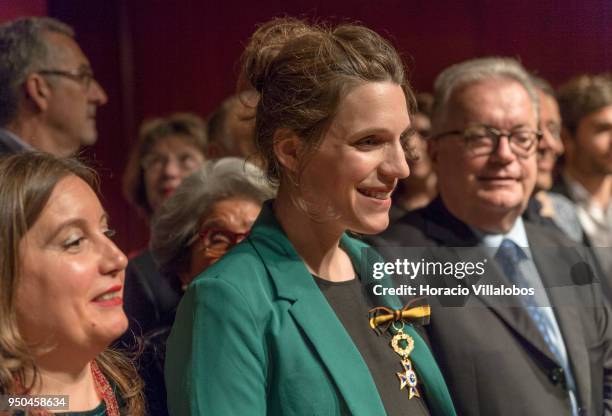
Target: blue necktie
<point x="509" y="256"/>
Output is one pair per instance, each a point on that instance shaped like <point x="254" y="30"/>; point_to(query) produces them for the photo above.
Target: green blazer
<point x="254" y="335"/>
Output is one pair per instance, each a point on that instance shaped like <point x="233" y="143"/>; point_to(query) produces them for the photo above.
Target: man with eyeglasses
<point x="547" y="207"/>
<point x="48" y="94"/>
<point x="504" y="355"/>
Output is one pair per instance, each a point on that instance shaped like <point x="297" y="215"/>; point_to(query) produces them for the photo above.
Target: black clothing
<point x="150" y="299"/>
<point x="349" y="302"/>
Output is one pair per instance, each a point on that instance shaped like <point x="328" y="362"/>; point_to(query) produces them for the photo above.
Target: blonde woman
<point x="61" y="288"/>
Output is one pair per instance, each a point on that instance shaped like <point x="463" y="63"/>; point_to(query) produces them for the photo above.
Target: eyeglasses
<point x="217" y="241"/>
<point x="187" y="162"/>
<point x="484" y="140"/>
<point x="83" y="77"/>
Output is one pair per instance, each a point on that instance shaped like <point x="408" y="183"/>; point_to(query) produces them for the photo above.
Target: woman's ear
<point x="288" y="148"/>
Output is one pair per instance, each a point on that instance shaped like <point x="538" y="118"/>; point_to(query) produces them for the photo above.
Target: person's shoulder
<point x="238" y="281"/>
<point x="560" y="199"/>
<point x="548" y="236"/>
<point x="408" y="230"/>
<point x="242" y="267"/>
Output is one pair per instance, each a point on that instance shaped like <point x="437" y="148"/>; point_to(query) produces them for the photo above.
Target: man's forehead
<point x="494" y="98"/>
<point x="65" y="52"/>
<point x="491" y="89"/>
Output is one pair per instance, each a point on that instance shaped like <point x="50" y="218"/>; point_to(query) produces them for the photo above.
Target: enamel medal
<point x="403" y="345"/>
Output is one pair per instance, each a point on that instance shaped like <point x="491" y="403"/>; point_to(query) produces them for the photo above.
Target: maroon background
<point x="154" y="57"/>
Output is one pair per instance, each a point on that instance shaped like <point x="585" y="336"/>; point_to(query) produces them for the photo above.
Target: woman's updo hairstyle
<point x="302" y="72"/>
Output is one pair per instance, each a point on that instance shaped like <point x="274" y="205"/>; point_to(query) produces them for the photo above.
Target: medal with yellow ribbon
<point x="381" y="318"/>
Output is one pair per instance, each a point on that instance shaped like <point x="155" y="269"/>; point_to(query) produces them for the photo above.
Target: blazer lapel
<point x="315" y="316"/>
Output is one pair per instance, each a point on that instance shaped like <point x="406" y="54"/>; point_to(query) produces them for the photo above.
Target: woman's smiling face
<point x="71" y="274"/>
<point x="350" y="177"/>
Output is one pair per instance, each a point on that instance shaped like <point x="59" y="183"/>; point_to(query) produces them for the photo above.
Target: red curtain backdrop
<point x="155" y="57"/>
<point x="11" y="9"/>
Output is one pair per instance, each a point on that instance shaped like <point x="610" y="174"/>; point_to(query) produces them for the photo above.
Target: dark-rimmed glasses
<point x="217" y="241"/>
<point x="482" y="140"/>
<point x="83" y="77"/>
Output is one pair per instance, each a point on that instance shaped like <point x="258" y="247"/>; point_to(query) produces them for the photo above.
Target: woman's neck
<point x="63" y="373"/>
<point x="317" y="243"/>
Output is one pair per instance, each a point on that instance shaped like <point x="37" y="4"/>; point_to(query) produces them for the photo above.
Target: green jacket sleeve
<point x="216" y="361"/>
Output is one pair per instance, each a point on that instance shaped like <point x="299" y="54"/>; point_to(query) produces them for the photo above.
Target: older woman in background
<point x="168" y="150"/>
<point x="61" y="281"/>
<point x="210" y="212"/>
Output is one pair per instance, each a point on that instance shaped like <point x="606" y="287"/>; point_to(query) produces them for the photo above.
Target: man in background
<point x="546" y="207"/>
<point x="586" y="112"/>
<point x="48" y="94"/>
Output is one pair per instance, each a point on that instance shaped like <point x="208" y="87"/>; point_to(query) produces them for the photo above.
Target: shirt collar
<point x="517" y="234"/>
<point x="13" y="141"/>
<point x="578" y="192"/>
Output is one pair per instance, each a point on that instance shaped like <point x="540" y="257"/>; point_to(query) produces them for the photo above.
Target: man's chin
<point x="89" y="140"/>
<point x="501" y="201"/>
<point x="544" y="182"/>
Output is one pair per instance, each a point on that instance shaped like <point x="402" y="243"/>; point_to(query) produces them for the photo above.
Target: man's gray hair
<point x="474" y="71"/>
<point x="541" y="84"/>
<point x="23" y="50"/>
<point x="175" y="225"/>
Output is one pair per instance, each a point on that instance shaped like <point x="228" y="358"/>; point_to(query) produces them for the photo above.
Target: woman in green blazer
<point x="279" y="326"/>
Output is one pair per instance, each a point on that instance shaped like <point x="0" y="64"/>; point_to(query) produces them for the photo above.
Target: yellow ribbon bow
<point x="383" y="317"/>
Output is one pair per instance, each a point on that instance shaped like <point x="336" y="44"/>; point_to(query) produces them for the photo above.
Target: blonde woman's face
<point x="70" y="291"/>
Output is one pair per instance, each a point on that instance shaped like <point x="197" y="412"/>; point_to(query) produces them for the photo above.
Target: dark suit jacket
<point x="493" y="357"/>
<point x="150" y="299"/>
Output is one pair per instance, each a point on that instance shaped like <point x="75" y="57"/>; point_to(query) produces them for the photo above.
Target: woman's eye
<point x="110" y="233"/>
<point x="368" y="141"/>
<point x="218" y="238"/>
<point x="73" y="243"/>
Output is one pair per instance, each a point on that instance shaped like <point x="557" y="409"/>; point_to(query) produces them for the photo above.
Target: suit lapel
<point x="515" y="313"/>
<point x="313" y="314"/>
<point x="562" y="297"/>
<point x="448" y="231"/>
